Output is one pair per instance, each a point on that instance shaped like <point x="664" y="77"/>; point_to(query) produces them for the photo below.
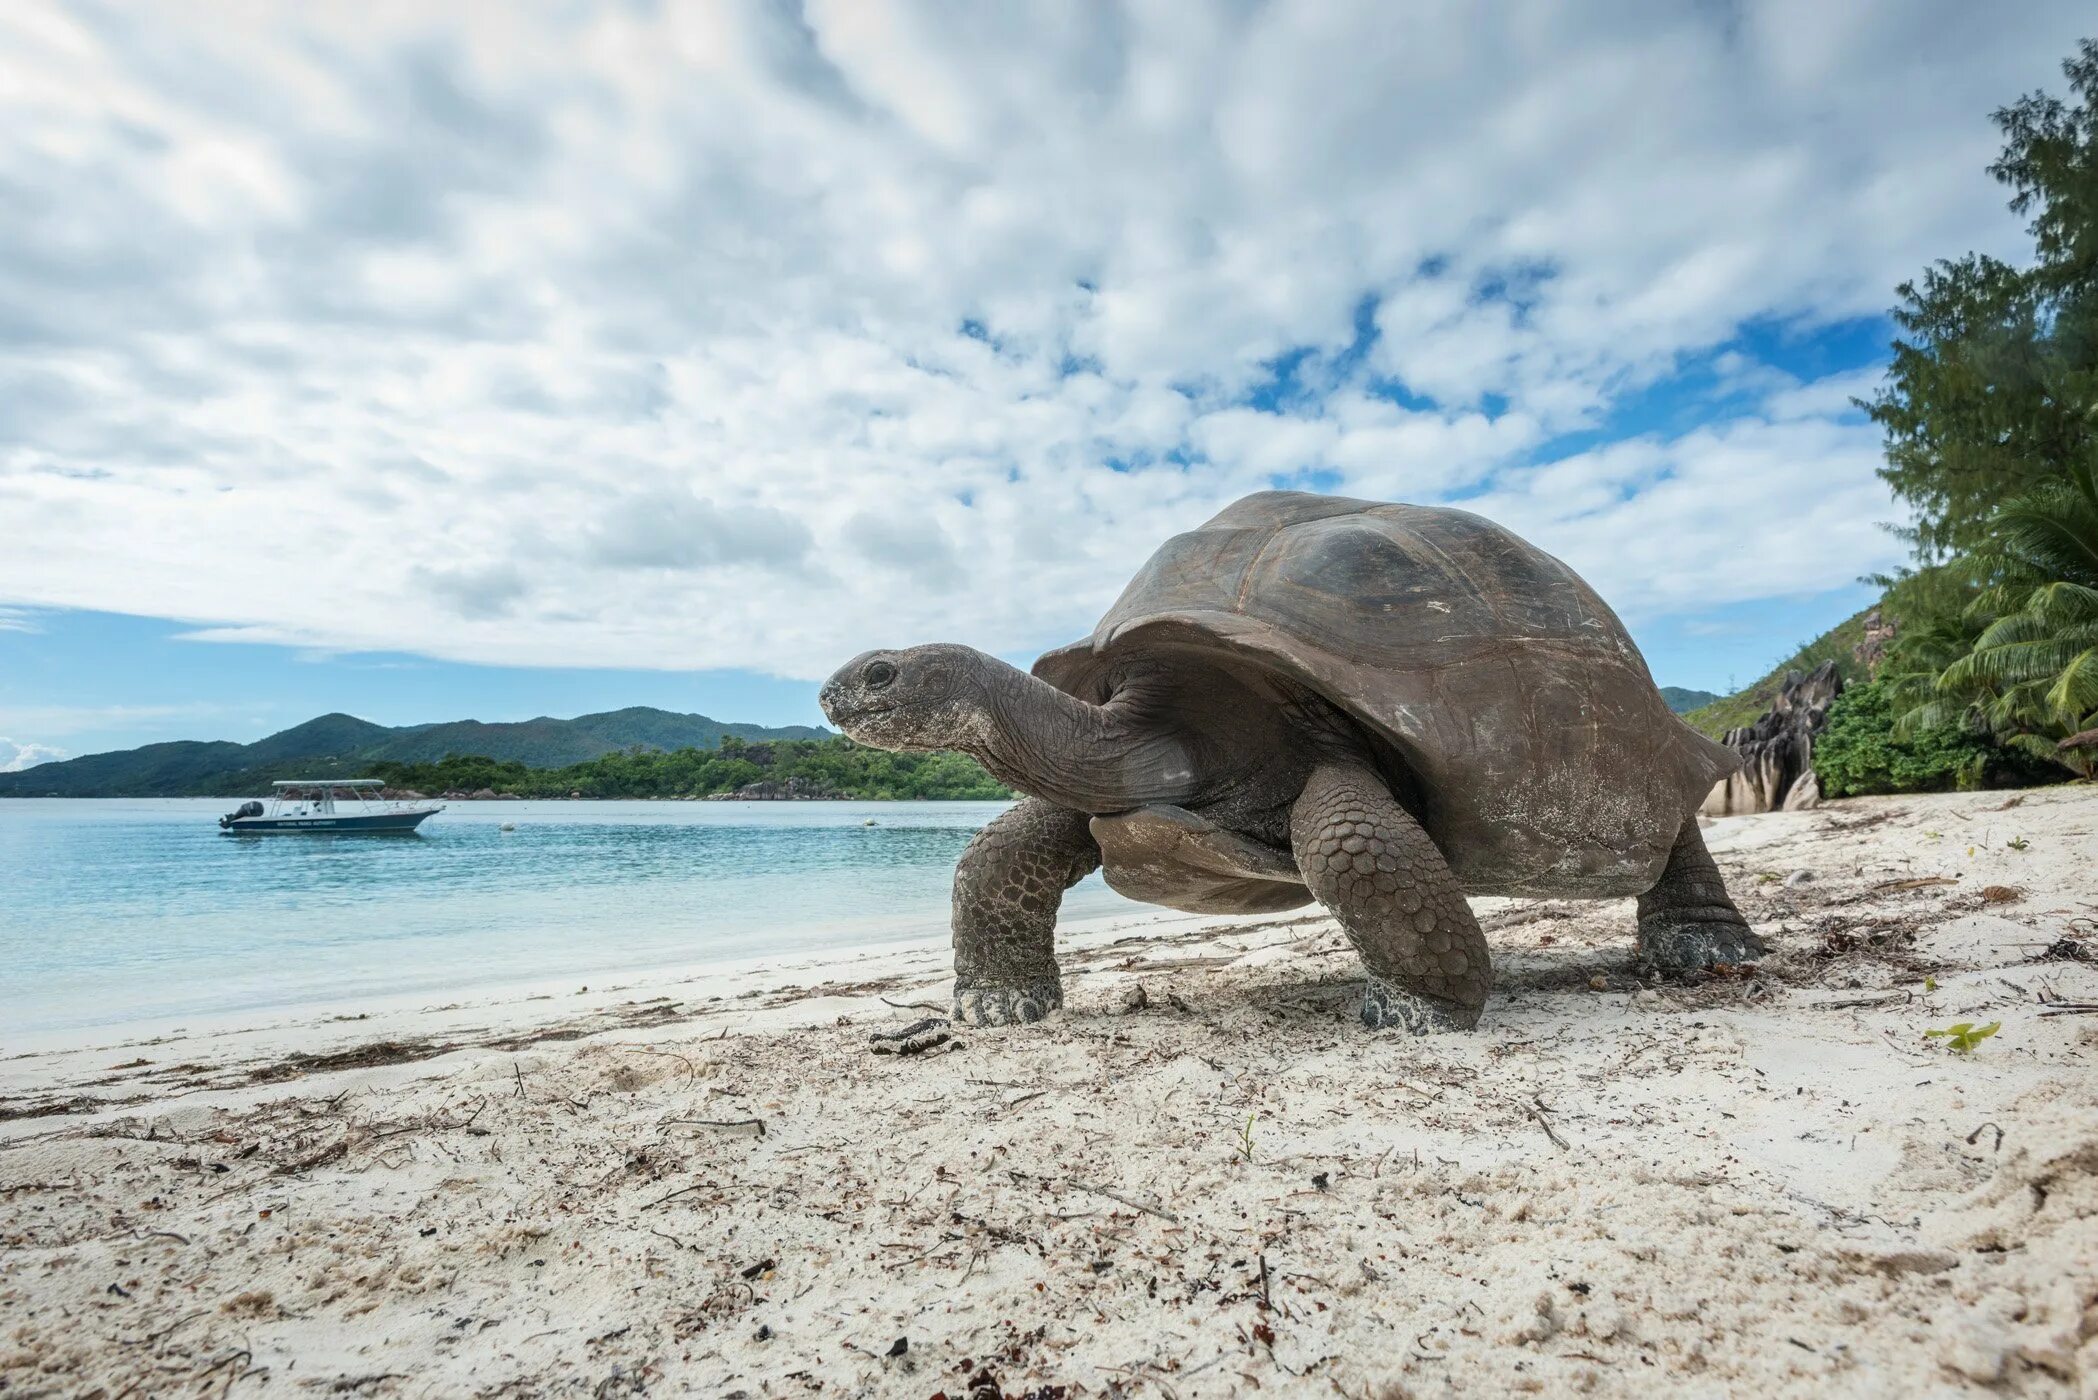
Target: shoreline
<point x="197" y="928"/>
<point x="68" y="1064"/>
<point x="1771" y="1182"/>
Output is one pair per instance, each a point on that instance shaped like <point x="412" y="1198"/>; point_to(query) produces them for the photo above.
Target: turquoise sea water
<point x="118" y="911"/>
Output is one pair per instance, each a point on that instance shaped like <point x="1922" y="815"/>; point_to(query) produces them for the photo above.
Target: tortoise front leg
<point x="1007" y="887"/>
<point x="1370" y="863"/>
<point x="1686" y="921"/>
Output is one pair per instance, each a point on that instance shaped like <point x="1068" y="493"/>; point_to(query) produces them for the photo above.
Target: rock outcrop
<point x="1872" y="647"/>
<point x="1805" y="794"/>
<point x="792" y="790"/>
<point x="1777" y="751"/>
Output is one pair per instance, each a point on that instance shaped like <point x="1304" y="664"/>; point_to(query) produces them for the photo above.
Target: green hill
<point x="1681" y="700"/>
<point x="1744" y="706"/>
<point x="835" y="766"/>
<point x="155" y="770"/>
<point x="557" y="743"/>
<point x="341" y="746"/>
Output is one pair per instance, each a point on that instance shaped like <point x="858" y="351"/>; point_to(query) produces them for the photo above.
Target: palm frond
<point x="2039" y="746"/>
<point x="2051" y="532"/>
<point x="1932" y="714"/>
<point x="2014" y="630"/>
<point x="2016" y="663"/>
<point x="2064" y="603"/>
<point x="2074" y="693"/>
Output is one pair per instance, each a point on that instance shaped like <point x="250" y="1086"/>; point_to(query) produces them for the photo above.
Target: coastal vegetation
<point x="1861" y="753"/>
<point x="1990" y="413"/>
<point x="1990" y="418"/>
<point x="834" y="767"/>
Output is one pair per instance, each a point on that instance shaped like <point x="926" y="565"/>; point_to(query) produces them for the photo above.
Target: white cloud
<point x="54" y="720"/>
<point x="1742" y="509"/>
<point x="1829" y="397"/>
<point x="730" y="336"/>
<point x="14" y="757"/>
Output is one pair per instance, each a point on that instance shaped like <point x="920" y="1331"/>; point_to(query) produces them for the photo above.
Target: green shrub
<point x="1858" y="754"/>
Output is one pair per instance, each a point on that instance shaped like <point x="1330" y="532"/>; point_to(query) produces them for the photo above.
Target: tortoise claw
<point x="1000" y="1004"/>
<point x="1384" y="1004"/>
<point x="1697" y="945"/>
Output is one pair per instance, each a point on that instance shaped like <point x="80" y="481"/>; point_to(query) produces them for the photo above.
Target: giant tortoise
<point x="1380" y="707"/>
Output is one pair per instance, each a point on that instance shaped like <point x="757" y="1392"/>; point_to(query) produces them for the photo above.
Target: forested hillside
<point x="341" y="746"/>
<point x="834" y="766"/>
<point x="1682" y="700"/>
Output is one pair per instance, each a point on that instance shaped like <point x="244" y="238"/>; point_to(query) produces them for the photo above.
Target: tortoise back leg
<point x="1375" y="868"/>
<point x="1686" y="921"/>
<point x="1007" y="887"/>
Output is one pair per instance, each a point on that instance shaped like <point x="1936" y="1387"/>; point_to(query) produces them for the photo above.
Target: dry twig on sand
<point x="914" y="1039"/>
<point x="1536" y="1110"/>
<point x="1147" y="1207"/>
<point x="735" y="1127"/>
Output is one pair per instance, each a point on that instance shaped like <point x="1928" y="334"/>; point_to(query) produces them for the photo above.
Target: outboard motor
<point x="246" y="809"/>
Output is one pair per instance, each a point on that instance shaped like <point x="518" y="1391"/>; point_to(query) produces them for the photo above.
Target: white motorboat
<point x="327" y="804"/>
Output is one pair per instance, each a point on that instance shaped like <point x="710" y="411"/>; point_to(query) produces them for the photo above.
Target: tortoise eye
<point x="878" y="674"/>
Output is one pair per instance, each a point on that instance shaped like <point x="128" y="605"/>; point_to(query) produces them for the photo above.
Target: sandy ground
<point x="1765" y="1183"/>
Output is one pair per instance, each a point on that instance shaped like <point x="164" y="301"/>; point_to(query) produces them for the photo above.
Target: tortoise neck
<point x="1090" y="758"/>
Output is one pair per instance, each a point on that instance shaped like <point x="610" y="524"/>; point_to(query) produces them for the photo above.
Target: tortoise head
<point x="1028" y="734"/>
<point x="927" y="697"/>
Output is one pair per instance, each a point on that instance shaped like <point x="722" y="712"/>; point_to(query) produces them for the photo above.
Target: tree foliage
<point x="1993" y="378"/>
<point x="1990" y="415"/>
<point x="2030" y="672"/>
<point x="1861" y="752"/>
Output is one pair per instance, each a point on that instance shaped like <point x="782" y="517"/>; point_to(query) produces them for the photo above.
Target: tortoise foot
<point x="1697" y="946"/>
<point x="1384" y="1004"/>
<point x="985" y="1003"/>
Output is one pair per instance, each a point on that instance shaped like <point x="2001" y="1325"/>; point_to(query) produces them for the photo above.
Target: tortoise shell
<point x="1503" y="699"/>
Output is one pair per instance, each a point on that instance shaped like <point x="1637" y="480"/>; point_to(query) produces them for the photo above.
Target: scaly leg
<point x="1686" y="921"/>
<point x="1370" y="863"/>
<point x="1007" y="887"/>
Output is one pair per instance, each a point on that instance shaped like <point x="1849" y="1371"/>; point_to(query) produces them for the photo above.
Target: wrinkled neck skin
<point x="1090" y="758"/>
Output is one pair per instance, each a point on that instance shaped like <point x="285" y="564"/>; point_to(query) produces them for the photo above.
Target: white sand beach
<point x="709" y="1182"/>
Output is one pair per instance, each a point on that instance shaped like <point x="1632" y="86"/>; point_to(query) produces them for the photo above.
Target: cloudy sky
<point x="501" y="359"/>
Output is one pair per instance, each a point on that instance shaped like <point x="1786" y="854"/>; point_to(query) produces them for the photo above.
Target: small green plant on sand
<point x="2017" y="843"/>
<point x="1930" y="984"/>
<point x="1245" y="1138"/>
<point x="1963" y="1037"/>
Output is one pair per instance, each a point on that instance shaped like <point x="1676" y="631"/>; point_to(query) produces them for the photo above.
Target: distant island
<point x="1682" y="701"/>
<point x="343" y="746"/>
